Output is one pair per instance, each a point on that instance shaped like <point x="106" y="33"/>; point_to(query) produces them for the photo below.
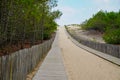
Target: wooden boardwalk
<point x="52" y="67"/>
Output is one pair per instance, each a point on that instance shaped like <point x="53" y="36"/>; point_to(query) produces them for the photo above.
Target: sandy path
<point x="82" y="65"/>
<point x="89" y="35"/>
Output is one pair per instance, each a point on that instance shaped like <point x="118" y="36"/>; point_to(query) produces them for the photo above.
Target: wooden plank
<point x="52" y="67"/>
<point x="0" y="69"/>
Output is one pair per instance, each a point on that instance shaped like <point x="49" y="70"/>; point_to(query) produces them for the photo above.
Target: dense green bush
<point x="97" y="22"/>
<point x="107" y="23"/>
<point x="112" y="36"/>
<point x="102" y="20"/>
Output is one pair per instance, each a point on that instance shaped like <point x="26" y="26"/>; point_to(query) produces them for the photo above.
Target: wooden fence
<point x="17" y="65"/>
<point x="110" y="49"/>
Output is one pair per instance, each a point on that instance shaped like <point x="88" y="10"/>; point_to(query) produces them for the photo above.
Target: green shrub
<point x="47" y="34"/>
<point x="112" y="36"/>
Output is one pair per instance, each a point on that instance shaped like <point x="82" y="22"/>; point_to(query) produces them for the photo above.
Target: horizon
<point x="75" y="11"/>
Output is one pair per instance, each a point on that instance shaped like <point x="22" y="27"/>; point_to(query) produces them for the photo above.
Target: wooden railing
<point x="109" y="49"/>
<point x="17" y="65"/>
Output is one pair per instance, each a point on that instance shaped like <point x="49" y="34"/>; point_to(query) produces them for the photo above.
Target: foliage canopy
<point x="107" y="23"/>
<point x="30" y="20"/>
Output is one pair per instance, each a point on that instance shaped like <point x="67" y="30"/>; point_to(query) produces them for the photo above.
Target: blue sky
<point x="77" y="11"/>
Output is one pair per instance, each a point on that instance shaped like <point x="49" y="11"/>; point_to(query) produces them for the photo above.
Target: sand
<point x="82" y="65"/>
<point x="89" y="35"/>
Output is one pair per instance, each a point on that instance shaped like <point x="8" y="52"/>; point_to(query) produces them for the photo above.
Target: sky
<point x="77" y="11"/>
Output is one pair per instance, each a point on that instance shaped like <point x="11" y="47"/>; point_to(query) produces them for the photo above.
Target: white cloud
<point x="73" y="14"/>
<point x="106" y="5"/>
<point x="102" y="1"/>
<point x="68" y="14"/>
<point x="67" y="10"/>
<point x="107" y="1"/>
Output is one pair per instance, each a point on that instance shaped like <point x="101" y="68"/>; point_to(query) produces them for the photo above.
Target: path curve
<point x="82" y="65"/>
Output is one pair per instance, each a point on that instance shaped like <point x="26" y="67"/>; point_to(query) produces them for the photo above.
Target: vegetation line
<point x="107" y="23"/>
<point x="24" y="23"/>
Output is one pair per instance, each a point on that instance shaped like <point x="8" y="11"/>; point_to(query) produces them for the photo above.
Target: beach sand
<point x="82" y="65"/>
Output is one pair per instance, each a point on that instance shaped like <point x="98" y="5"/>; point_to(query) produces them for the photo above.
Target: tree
<point x="107" y="23"/>
<point x="27" y="20"/>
